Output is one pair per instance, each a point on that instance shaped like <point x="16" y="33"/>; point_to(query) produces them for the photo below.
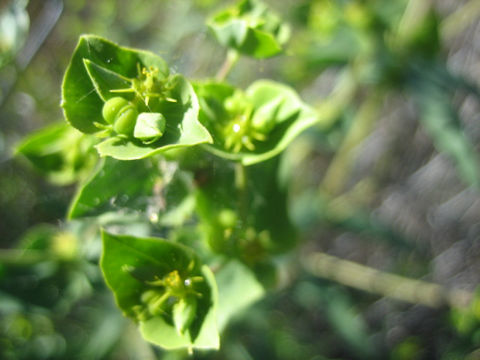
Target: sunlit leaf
<point x="235" y="137"/>
<point x="115" y="185"/>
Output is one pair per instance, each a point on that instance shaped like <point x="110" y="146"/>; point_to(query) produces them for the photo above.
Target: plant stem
<point x="330" y="109"/>
<point x="230" y="60"/>
<point x="241" y="185"/>
<point x="337" y="173"/>
<point x="460" y="19"/>
<point x="386" y="284"/>
<point x="24" y="257"/>
<point x="414" y="14"/>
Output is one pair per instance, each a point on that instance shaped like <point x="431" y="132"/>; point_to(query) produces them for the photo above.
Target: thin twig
<point x="394" y="286"/>
<point x="339" y="168"/>
<point x="330" y="109"/>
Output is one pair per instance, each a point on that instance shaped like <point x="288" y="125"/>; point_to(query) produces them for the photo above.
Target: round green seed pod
<point x="125" y="120"/>
<point x="112" y="107"/>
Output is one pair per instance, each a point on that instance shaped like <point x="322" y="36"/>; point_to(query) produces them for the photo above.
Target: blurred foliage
<point x="366" y="184"/>
<point x="14" y="24"/>
<point x="63" y="154"/>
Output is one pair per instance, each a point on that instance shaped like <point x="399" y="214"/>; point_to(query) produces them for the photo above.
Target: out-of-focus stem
<point x="24" y="257"/>
<point x="331" y="108"/>
<point x="241" y="185"/>
<point x="460" y="19"/>
<point x="338" y="171"/>
<point x="230" y="60"/>
<point x="414" y="14"/>
<point x="397" y="287"/>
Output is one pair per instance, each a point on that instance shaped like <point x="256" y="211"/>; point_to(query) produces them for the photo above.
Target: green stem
<point x="24" y="257"/>
<point x="155" y="306"/>
<point x="330" y="109"/>
<point x="337" y="173"/>
<point x="414" y="14"/>
<point x="230" y="61"/>
<point x="241" y="185"/>
<point x="386" y="284"/>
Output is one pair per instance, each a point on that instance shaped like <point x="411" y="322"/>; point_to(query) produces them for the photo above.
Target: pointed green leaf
<point x="105" y="80"/>
<point x="114" y="185"/>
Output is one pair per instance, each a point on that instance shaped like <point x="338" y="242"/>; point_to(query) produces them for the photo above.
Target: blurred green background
<point x="389" y="181"/>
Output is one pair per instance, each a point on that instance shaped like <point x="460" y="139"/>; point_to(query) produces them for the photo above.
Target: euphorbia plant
<point x="180" y="177"/>
<point x="189" y="148"/>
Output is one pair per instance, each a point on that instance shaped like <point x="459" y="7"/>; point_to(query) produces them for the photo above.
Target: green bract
<point x="254" y="125"/>
<point x="114" y="185"/>
<point x="106" y="87"/>
<point x="250" y="28"/>
<point x="163" y="287"/>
